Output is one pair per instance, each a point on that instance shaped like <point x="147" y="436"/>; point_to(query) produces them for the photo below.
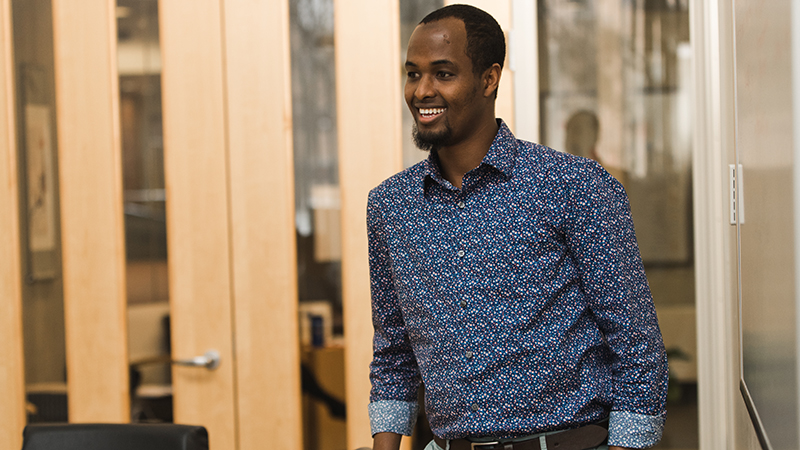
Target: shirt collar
<point x="501" y="156"/>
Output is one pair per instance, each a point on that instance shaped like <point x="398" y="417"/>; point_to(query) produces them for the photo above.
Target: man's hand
<point x="386" y="441"/>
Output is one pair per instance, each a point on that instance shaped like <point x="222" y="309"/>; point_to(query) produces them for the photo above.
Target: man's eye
<point x="412" y="75"/>
<point x="444" y="74"/>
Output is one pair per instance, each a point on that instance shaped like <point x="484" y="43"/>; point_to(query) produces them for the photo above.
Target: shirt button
<point x="460" y="205"/>
<point x="469" y="355"/>
<point x="474" y="406"/>
<point x="464" y="304"/>
<point x="460" y="253"/>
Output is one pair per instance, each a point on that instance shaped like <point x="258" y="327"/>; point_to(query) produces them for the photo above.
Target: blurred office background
<point x="185" y="177"/>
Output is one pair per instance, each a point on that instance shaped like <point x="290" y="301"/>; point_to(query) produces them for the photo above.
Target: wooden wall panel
<point x="198" y="240"/>
<point x="262" y="223"/>
<point x="610" y="76"/>
<point x="369" y="124"/>
<point x="91" y="209"/>
<point x="524" y="62"/>
<point x="12" y="379"/>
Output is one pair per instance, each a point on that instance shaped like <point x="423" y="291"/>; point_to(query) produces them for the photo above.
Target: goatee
<point x="431" y="141"/>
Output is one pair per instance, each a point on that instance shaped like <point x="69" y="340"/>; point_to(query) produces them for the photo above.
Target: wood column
<point x="523" y="61"/>
<point x="610" y="77"/>
<point x="370" y="150"/>
<point x="90" y="172"/>
<point x="259" y="107"/>
<point x="198" y="224"/>
<point x="12" y="377"/>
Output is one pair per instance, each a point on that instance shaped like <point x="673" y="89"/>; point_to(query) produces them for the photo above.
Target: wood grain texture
<point x="195" y="166"/>
<point x="259" y="117"/>
<point x="91" y="210"/>
<point x="369" y="103"/>
<point x="12" y="378"/>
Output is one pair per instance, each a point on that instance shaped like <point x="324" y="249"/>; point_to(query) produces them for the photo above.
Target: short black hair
<point x="486" y="43"/>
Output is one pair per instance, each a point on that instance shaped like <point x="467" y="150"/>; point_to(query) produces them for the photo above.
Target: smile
<point x="430" y="112"/>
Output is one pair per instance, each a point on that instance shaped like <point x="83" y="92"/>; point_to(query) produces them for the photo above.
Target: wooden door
<point x="228" y="166"/>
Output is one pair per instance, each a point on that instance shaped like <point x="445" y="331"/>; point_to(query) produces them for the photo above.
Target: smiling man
<point x="505" y="275"/>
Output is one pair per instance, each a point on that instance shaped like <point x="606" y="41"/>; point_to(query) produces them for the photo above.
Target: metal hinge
<point x="737" y="193"/>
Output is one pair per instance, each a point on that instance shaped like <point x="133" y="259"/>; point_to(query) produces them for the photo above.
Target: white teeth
<point x="431" y="111"/>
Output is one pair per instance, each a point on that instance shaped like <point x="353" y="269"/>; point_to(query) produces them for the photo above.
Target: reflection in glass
<point x="42" y="291"/>
<point x="315" y="156"/>
<point x="139" y="67"/>
<point x="615" y="87"/>
<point x="317" y="220"/>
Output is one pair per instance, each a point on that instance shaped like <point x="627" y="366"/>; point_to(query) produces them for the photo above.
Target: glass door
<point x="615" y="84"/>
<point x="144" y="197"/>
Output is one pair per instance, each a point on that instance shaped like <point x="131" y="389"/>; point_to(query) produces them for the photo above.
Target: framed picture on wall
<point x="38" y="175"/>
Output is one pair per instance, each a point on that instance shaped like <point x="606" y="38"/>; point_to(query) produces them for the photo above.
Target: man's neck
<point x="456" y="160"/>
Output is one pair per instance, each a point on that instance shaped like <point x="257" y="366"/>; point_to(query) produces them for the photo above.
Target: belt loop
<point x="543" y="442"/>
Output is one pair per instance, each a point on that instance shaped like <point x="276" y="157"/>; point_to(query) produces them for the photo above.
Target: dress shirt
<point x="520" y="300"/>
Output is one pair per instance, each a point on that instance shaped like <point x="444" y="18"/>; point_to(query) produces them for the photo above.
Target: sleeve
<point x="601" y="238"/>
<point x="393" y="371"/>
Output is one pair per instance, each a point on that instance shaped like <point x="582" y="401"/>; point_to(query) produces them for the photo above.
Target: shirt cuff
<point x="393" y="416"/>
<point x="627" y="429"/>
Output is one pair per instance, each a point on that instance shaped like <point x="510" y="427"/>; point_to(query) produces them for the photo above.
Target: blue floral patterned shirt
<point x="520" y="300"/>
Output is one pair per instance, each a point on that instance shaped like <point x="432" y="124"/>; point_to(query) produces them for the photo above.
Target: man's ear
<point x="491" y="79"/>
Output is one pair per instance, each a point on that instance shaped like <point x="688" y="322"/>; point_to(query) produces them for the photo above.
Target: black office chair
<point x="114" y="437"/>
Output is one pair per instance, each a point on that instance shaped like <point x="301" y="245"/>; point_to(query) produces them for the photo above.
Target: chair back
<point x="114" y="437"/>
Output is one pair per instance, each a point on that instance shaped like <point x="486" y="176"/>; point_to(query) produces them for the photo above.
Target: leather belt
<point x="585" y="437"/>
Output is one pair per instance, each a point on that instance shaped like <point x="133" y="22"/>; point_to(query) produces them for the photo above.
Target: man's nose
<point x="424" y="88"/>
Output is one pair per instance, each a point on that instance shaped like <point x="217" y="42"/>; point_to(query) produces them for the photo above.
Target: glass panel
<point x="43" y="299"/>
<point x="767" y="188"/>
<point x="139" y="66"/>
<point x="317" y="219"/>
<point x="615" y="82"/>
<point x="316" y="158"/>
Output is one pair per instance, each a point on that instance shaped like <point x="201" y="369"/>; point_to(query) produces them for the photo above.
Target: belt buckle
<point x="480" y="445"/>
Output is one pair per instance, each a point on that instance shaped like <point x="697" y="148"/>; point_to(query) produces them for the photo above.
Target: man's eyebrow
<point x="438" y="62"/>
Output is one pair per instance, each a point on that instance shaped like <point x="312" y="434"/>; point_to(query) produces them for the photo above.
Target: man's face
<point x="442" y="92"/>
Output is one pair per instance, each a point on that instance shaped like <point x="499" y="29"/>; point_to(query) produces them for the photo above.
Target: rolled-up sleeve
<point x="393" y="372"/>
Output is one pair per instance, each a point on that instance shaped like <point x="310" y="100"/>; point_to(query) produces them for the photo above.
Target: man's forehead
<point x="443" y="35"/>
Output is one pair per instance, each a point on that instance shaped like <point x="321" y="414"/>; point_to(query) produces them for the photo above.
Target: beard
<point x="430" y="141"/>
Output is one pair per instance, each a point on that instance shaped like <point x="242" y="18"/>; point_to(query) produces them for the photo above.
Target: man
<point x="583" y="129"/>
<point x="505" y="275"/>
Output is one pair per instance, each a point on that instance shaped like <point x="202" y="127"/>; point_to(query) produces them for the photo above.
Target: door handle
<point x="210" y="360"/>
